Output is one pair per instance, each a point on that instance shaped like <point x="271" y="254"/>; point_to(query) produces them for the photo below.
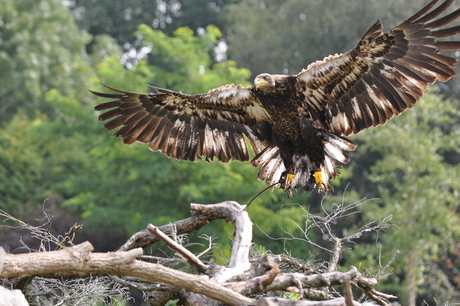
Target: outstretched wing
<point x="190" y="127"/>
<point x="384" y="75"/>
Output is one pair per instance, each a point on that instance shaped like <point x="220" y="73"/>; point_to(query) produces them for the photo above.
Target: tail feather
<point x="271" y="164"/>
<point x="299" y="176"/>
<point x="329" y="172"/>
<point x="336" y="153"/>
<point x="335" y="149"/>
<point x="339" y="142"/>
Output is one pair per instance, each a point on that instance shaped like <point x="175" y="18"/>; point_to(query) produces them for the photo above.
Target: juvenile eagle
<point x="295" y="123"/>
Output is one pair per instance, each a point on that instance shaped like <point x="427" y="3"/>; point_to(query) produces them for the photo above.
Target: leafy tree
<point x="120" y="19"/>
<point x="274" y="37"/>
<point x="21" y="167"/>
<point x="37" y="55"/>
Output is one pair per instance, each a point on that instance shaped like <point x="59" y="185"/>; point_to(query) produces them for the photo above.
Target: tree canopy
<point x="37" y="55"/>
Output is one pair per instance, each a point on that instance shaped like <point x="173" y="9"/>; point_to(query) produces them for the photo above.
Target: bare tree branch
<point x="366" y="285"/>
<point x="387" y="265"/>
<point x="347" y="294"/>
<point x="257" y="284"/>
<point x="143" y="285"/>
<point x="42" y="232"/>
<point x="238" y="215"/>
<point x="189" y="256"/>
<point x="285" y="302"/>
<point x="189" y="225"/>
<point x="220" y="284"/>
<point x="79" y="259"/>
<point x="337" y="251"/>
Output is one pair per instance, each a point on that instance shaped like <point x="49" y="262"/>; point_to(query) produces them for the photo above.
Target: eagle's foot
<point x="290" y="177"/>
<point x="318" y="179"/>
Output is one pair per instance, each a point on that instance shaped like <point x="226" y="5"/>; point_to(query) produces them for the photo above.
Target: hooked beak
<point x="259" y="82"/>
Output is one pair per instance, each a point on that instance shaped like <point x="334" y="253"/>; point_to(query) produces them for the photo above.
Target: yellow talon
<point x="290" y="177"/>
<point x="318" y="179"/>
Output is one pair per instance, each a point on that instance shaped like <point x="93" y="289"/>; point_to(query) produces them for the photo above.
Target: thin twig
<point x="387" y="265"/>
<point x="377" y="276"/>
<point x="189" y="256"/>
<point x="143" y="285"/>
<point x="210" y="244"/>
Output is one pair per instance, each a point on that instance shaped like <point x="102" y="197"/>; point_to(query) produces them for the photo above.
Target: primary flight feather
<point x="296" y="124"/>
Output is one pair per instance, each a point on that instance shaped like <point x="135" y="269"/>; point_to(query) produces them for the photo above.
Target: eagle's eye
<point x="264" y="81"/>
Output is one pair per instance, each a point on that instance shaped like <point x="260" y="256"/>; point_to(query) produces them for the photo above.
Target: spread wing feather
<point x="190" y="127"/>
<point x="384" y="75"/>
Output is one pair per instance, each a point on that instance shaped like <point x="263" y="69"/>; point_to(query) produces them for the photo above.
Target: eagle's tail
<point x="303" y="174"/>
<point x="271" y="164"/>
<point x="335" y="149"/>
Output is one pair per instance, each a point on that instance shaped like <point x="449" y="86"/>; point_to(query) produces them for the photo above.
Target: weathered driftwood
<point x="216" y="285"/>
<point x="80" y="259"/>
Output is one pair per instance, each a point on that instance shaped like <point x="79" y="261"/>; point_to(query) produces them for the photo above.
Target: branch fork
<point x="216" y="285"/>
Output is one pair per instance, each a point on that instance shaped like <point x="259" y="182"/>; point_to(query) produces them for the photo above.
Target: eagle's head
<point x="265" y="82"/>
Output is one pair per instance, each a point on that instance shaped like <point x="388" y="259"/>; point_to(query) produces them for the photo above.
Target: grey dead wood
<point x="189" y="256"/>
<point x="80" y="259"/>
<point x="239" y="260"/>
<point x="285" y="280"/>
<point x="200" y="217"/>
<point x="221" y="285"/>
<point x="285" y="302"/>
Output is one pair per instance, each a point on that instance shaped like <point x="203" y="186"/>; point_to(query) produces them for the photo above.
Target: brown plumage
<point x="295" y="124"/>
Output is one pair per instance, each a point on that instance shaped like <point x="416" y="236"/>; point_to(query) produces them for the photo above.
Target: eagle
<point x="295" y="124"/>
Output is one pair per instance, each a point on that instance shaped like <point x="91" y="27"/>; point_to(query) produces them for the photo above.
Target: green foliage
<point x="119" y="19"/>
<point x="20" y="166"/>
<point x="38" y="156"/>
<point x="184" y="62"/>
<point x="36" y="55"/>
<point x="287" y="36"/>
